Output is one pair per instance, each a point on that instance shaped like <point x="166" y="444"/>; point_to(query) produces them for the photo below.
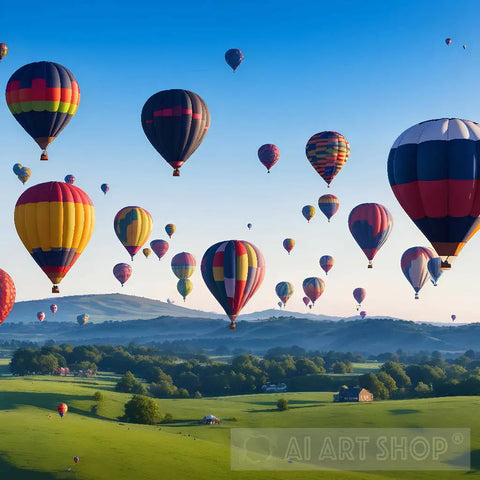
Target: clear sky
<point x="368" y="69"/>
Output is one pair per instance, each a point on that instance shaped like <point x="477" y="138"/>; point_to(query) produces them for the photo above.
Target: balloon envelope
<point x="53" y="308"/>
<point x="105" y="188"/>
<point x="359" y="295"/>
<point x="326" y="263"/>
<point x="3" y="50"/>
<point x="43" y="97"/>
<point x="184" y="287"/>
<point x="62" y="409"/>
<point x="249" y="226"/>
<point x="7" y="295"/>
<point x="133" y="226"/>
<point x="175" y="122"/>
<point x="414" y="266"/>
<point x="146" y="252"/>
<point x="122" y="272"/>
<point x="433" y="172"/>
<point x="170" y="229"/>
<point x="24" y="174"/>
<point x="453" y="317"/>
<point x="183" y="265"/>
<point x="308" y="211"/>
<point x="370" y="225"/>
<point x="269" y="155"/>
<point x="70" y="179"/>
<point x="434" y="269"/>
<point x="313" y="288"/>
<point x="284" y="291"/>
<point x="234" y="57"/>
<point x="17" y="168"/>
<point x="328" y="205"/>
<point x="306" y="301"/>
<point x="448" y="41"/>
<point x="41" y="316"/>
<point x="82" y="319"/>
<point x="288" y="244"/>
<point x="363" y="314"/>
<point x="55" y="222"/>
<point x="159" y="247"/>
<point x="327" y="152"/>
<point x="233" y="270"/>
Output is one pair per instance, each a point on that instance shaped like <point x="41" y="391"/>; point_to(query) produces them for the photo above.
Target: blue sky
<point x="366" y="69"/>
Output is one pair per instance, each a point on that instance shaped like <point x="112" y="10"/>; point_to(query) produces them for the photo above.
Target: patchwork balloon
<point x="183" y="265"/>
<point x="170" y="228"/>
<point x="70" y="179"/>
<point x="122" y="272"/>
<point x="288" y="244"/>
<point x="313" y="288"/>
<point x="284" y="291"/>
<point x="326" y="263"/>
<point x="82" y="319"/>
<point x="414" y="266"/>
<point x="233" y="270"/>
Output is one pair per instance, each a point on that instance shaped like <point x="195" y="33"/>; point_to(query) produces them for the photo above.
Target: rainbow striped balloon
<point x="133" y="226"/>
<point x="183" y="265"/>
<point x="313" y="288"/>
<point x="284" y="291"/>
<point x="328" y="205"/>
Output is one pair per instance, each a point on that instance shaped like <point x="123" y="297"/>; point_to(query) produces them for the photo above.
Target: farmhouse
<point x="353" y="395"/>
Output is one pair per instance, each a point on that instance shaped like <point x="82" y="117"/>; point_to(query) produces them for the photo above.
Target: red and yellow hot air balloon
<point x="183" y="265"/>
<point x="170" y="229"/>
<point x="160" y="247"/>
<point x="146" y="252"/>
<point x="55" y="221"/>
<point x="327" y="152"/>
<point x="43" y="97"/>
<point x="233" y="271"/>
<point x="288" y="244"/>
<point x="62" y="409"/>
<point x="122" y="272"/>
<point x="3" y="50"/>
<point x="133" y="226"/>
<point x="7" y="294"/>
<point x="313" y="288"/>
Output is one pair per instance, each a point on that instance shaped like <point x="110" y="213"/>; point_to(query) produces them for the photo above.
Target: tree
<point x="396" y="371"/>
<point x="388" y="381"/>
<point x="305" y="366"/>
<point x="422" y="390"/>
<point x="282" y="404"/>
<point x="129" y="384"/>
<point x="142" y="409"/>
<point x="374" y="386"/>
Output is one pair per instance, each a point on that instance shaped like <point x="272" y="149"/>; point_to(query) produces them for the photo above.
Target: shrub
<point x="197" y="394"/>
<point x="282" y="404"/>
<point x="167" y="418"/>
<point x="142" y="409"/>
<point x="99" y="396"/>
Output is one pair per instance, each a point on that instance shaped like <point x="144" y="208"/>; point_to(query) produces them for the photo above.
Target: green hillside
<point x="35" y="446"/>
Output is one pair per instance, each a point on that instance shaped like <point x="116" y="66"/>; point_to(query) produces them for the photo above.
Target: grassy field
<point x="36" y="444"/>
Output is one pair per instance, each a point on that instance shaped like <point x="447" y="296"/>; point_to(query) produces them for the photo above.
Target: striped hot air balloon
<point x="7" y="295"/>
<point x="183" y="265"/>
<point x="370" y="225"/>
<point x="233" y="271"/>
<point x="326" y="263"/>
<point x="328" y="205"/>
<point x="308" y="211"/>
<point x="327" y="152"/>
<point x="170" y="228"/>
<point x="159" y="247"/>
<point x="122" y="272"/>
<point x="284" y="291"/>
<point x="175" y="122"/>
<point x="414" y="266"/>
<point x="434" y="173"/>
<point x="55" y="221"/>
<point x="133" y="226"/>
<point x="288" y="244"/>
<point x="184" y="287"/>
<point x="313" y="288"/>
<point x="43" y="97"/>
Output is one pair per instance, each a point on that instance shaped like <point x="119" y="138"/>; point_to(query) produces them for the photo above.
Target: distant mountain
<point x="119" y="307"/>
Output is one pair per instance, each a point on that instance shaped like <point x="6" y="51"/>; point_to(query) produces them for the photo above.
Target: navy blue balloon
<point x="234" y="58"/>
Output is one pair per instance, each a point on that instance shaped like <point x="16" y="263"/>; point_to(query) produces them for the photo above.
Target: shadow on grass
<point x="290" y="401"/>
<point x="11" y="472"/>
<point x="404" y="411"/>
<point x="275" y="409"/>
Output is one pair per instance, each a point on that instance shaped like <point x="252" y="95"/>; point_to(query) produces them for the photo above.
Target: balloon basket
<point x="44" y="155"/>
<point x="55" y="289"/>
<point x="445" y="265"/>
<point x="233" y="326"/>
<point x="370" y="265"/>
<point x="416" y="296"/>
<point x="176" y="172"/>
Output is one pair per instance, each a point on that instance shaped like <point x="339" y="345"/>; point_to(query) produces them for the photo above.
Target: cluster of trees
<point x="434" y="378"/>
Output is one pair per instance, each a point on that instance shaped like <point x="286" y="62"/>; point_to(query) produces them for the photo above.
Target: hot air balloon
<point x="433" y="172"/>
<point x="233" y="270"/>
<point x="104" y="187"/>
<point x="170" y="229"/>
<point x="434" y="269"/>
<point x="183" y="265"/>
<point x="17" y="168"/>
<point x="82" y="319"/>
<point x="3" y="50"/>
<point x="7" y="294"/>
<point x="146" y="252"/>
<point x="41" y="316"/>
<point x="122" y="272"/>
<point x="70" y="179"/>
<point x="284" y="291"/>
<point x="363" y="314"/>
<point x="249" y="226"/>
<point x="55" y="221"/>
<point x="448" y="41"/>
<point x="326" y="262"/>
<point x="328" y="204"/>
<point x="234" y="58"/>
<point x="308" y="211"/>
<point x="133" y="226"/>
<point x="414" y="266"/>
<point x="327" y="152"/>
<point x="359" y="295"/>
<point x="288" y="244"/>
<point x="43" y="97"/>
<point x="464" y="47"/>
<point x="184" y="287"/>
<point x="76" y="459"/>
<point x="268" y="154"/>
<point x="160" y="247"/>
<point x="453" y="317"/>
<point x="280" y="304"/>
<point x="175" y="122"/>
<point x="24" y="174"/>
<point x="370" y="224"/>
<point x="306" y="301"/>
<point x="53" y="308"/>
<point x="62" y="409"/>
<point x="313" y="288"/>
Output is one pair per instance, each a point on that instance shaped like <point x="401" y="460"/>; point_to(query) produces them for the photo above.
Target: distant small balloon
<point x="280" y="304"/>
<point x="70" y="179"/>
<point x="170" y="229"/>
<point x="434" y="269"/>
<point x="76" y="459"/>
<point x="448" y="41"/>
<point x="122" y="272"/>
<point x="359" y="295"/>
<point x="306" y="301"/>
<point x="53" y="308"/>
<point x="159" y="247"/>
<point x="17" y="168"/>
<point x="41" y="316"/>
<point x="288" y="244"/>
<point x="249" y="226"/>
<point x="105" y="188"/>
<point x="24" y="174"/>
<point x="269" y="155"/>
<point x="363" y="314"/>
<point x="308" y="211"/>
<point x="326" y="263"/>
<point x="464" y="47"/>
<point x="453" y="317"/>
<point x="146" y="252"/>
<point x="284" y="291"/>
<point x="234" y="58"/>
<point x="3" y="50"/>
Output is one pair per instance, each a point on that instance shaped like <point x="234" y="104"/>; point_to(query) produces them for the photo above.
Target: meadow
<point x="37" y="444"/>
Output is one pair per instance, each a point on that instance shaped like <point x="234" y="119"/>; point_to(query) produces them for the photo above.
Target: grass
<point x="34" y="446"/>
